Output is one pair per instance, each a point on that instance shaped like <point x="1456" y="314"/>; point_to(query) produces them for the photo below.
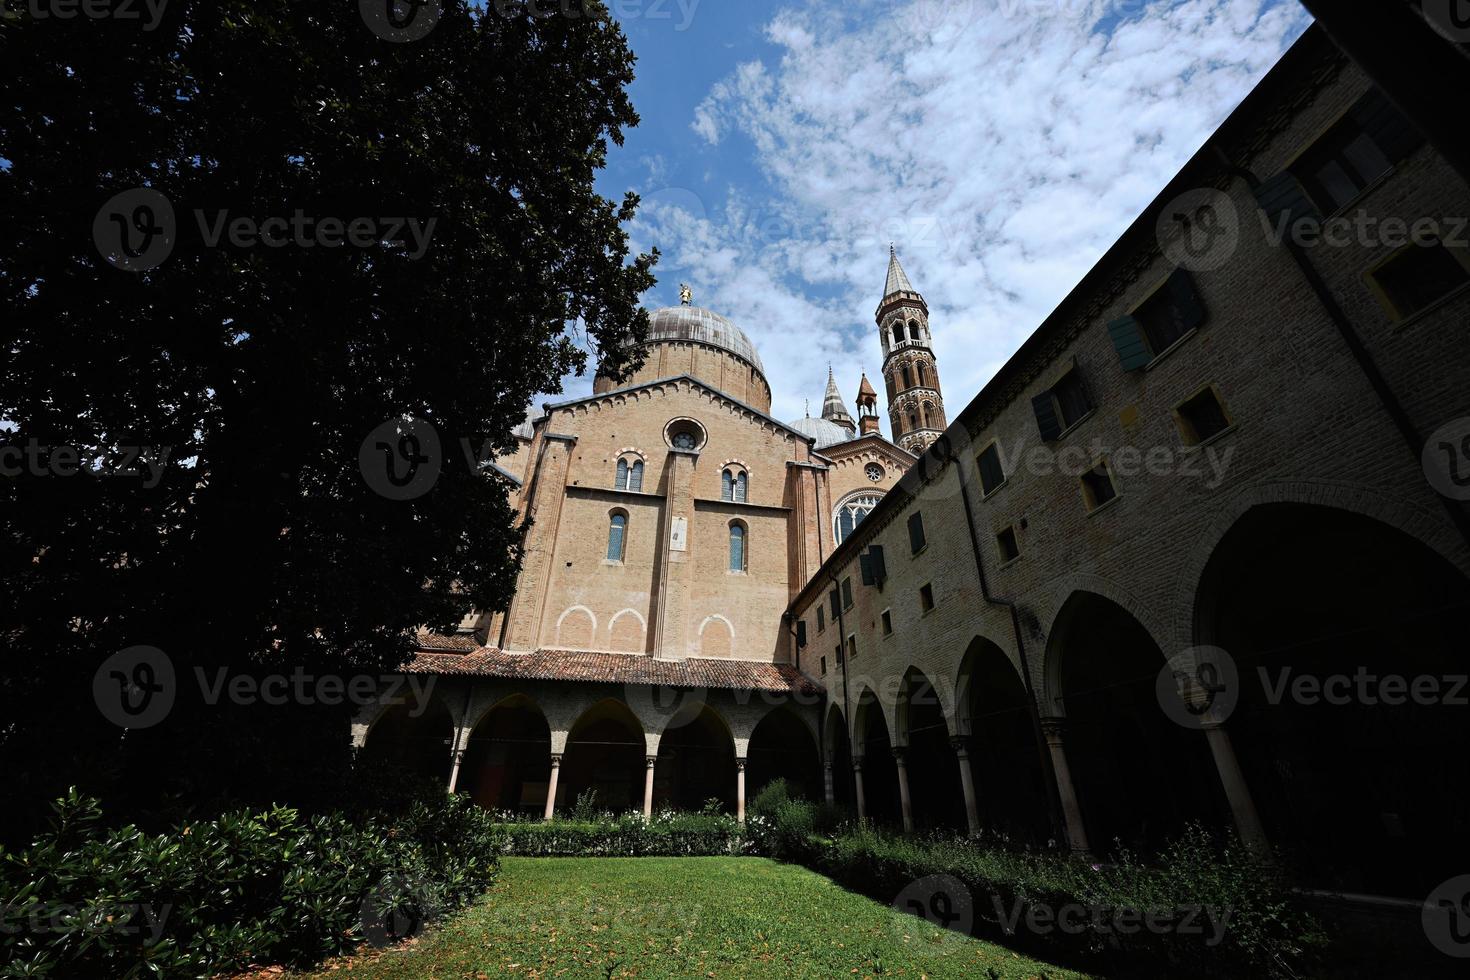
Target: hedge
<point x="249" y="887"/>
<point x="667" y="834"/>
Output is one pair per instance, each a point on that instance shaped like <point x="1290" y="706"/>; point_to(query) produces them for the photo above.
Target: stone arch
<point x="370" y="714"/>
<point x="873" y="743"/>
<point x="696" y="758"/>
<point x="605" y="752"/>
<point x="1425" y="524"/>
<point x="1063" y="594"/>
<point x="414" y="738"/>
<point x="716" y="637"/>
<point x="837" y="753"/>
<point x="923" y="732"/>
<point x="576" y="628"/>
<point x="782" y="745"/>
<point x="507" y="756"/>
<point x="632" y="636"/>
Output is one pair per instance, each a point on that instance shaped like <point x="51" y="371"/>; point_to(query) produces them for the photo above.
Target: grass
<point x="683" y="917"/>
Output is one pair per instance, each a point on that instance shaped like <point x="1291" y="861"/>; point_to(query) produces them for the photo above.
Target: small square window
<point x="847" y="593"/>
<point x="1010" y="548"/>
<point x="991" y="473"/>
<point x="1202" y="417"/>
<point x="887" y="623"/>
<point x="1419" y="276"/>
<point x="926" y="597"/>
<point x="1097" y="486"/>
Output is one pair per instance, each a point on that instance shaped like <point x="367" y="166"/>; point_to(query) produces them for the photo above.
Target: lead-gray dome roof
<point x="825" y="433"/>
<point x="702" y="326"/>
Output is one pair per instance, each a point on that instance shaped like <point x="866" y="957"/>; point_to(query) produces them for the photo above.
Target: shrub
<point x="667" y="834"/>
<point x="248" y="887"/>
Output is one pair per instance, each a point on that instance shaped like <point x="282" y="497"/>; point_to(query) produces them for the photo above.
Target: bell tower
<point x="915" y="405"/>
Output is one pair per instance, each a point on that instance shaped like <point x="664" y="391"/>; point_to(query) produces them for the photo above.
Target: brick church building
<point x="1076" y="610"/>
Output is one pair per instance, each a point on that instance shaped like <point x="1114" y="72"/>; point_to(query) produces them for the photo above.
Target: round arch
<point x="696" y="759"/>
<point x="935" y="791"/>
<point x="873" y="742"/>
<point x="782" y="747"/>
<point x="413" y="737"/>
<point x="507" y="759"/>
<point x="837" y="753"/>
<point x="605" y="755"/>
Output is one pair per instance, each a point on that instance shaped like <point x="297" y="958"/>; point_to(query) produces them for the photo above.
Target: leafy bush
<point x="247" y="887"/>
<point x="667" y="834"/>
<point x="1249" y="922"/>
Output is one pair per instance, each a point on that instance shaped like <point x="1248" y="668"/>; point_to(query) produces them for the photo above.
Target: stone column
<point x="1055" y="732"/>
<point x="967" y="782"/>
<point x="828" y="786"/>
<point x="857" y="778"/>
<point x="551" y="785"/>
<point x="903" y="788"/>
<point x="740" y="790"/>
<point x="1242" y="805"/>
<point x="648" y="787"/>
<point x="457" y="744"/>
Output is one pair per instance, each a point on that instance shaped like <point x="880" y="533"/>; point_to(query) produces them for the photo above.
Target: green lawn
<point x="683" y="917"/>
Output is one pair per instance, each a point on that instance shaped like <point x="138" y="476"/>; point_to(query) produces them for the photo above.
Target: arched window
<point x="891" y="392"/>
<point x="923" y="374"/>
<point x="898" y="332"/>
<point x="727" y="486"/>
<point x="908" y="377"/>
<point x="931" y="421"/>
<point x="630" y="475"/>
<point x="733" y="483"/>
<point x="617" y="536"/>
<point x="737" y="547"/>
<point x="913" y="420"/>
<point x="913" y="330"/>
<point x="850" y="513"/>
<point x="740" y="486"/>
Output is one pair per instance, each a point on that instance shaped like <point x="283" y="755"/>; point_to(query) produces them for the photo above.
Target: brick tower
<point x="915" y="405"/>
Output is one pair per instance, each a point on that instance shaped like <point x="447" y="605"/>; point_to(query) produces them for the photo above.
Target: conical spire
<point x="832" y="408"/>
<point x="898" y="280"/>
<point x="865" y="390"/>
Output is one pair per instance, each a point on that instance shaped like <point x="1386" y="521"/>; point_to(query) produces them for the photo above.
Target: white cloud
<point x="1003" y="146"/>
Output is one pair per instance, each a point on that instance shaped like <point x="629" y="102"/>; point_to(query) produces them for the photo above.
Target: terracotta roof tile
<point x="618" y="668"/>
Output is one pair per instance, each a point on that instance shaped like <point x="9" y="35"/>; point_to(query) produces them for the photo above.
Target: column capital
<point x="739" y="764"/>
<point x="1054" y="729"/>
<point x="555" y="759"/>
<point x="900" y="753"/>
<point x="650" y="760"/>
<point x="857" y="763"/>
<point x="960" y="744"/>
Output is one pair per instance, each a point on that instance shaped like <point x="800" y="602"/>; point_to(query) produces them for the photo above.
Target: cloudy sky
<point x="1003" y="145"/>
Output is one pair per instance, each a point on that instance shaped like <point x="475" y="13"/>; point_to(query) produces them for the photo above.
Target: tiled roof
<point x="617" y="668"/>
<point x="461" y="642"/>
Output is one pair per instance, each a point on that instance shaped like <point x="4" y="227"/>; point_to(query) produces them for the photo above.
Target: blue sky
<point x="1002" y="144"/>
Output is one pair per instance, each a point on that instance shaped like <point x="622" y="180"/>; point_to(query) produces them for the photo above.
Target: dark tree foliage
<point x="258" y="546"/>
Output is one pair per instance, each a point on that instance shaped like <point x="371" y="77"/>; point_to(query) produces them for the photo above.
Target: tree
<point x="255" y="368"/>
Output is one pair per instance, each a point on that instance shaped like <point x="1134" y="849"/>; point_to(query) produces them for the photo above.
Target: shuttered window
<point x="991" y="474"/>
<point x="916" y="532"/>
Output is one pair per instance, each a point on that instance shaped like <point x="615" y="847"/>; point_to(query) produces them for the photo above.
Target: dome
<point x="826" y="433"/>
<point x="701" y="326"/>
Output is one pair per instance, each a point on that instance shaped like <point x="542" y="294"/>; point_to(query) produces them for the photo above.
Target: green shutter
<point x="1388" y="127"/>
<point x="1046" y="416"/>
<point x="1128" y="342"/>
<point x="865" y="567"/>
<point x="880" y="567"/>
<point x="1284" y="200"/>
<point x="916" y="531"/>
<point x="836" y="606"/>
<point x="1186" y="299"/>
